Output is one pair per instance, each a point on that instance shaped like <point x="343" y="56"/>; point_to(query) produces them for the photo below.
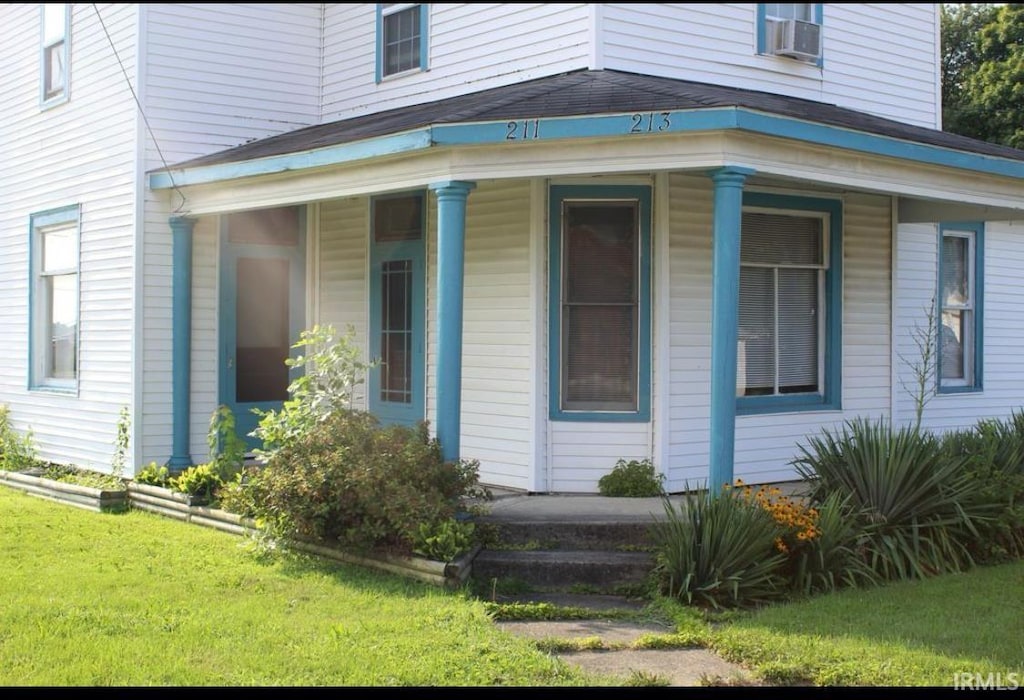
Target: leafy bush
<point x="444" y="540"/>
<point x="916" y="505"/>
<point x="200" y="481"/>
<point x="349" y="480"/>
<point x="154" y="474"/>
<point x="993" y="453"/>
<point x="227" y="448"/>
<point x="635" y="478"/>
<point x="719" y="551"/>
<point x="331" y="373"/>
<point x="17" y="452"/>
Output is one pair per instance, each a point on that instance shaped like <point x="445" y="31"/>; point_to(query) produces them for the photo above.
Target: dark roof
<point x="589" y="92"/>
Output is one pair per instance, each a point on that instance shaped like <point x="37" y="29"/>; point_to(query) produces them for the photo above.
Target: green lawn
<point x="138" y="599"/>
<point x="915" y="633"/>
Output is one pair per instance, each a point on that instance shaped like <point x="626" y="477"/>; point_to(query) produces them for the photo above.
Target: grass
<point x="136" y="599"/>
<point x="917" y="633"/>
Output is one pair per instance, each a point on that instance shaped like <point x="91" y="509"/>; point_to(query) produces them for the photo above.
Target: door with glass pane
<point x="262" y="309"/>
<point x="397" y="309"/>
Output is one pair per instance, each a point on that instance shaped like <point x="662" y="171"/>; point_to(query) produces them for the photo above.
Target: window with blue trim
<point x="600" y="303"/>
<point x="789" y="304"/>
<point x="53" y="303"/>
<point x="401" y="38"/>
<point x="960" y="313"/>
<point x="54" y="59"/>
<point x="790" y="29"/>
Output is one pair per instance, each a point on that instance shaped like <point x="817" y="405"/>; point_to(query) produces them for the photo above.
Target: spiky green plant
<point x="719" y="551"/>
<point x="916" y="504"/>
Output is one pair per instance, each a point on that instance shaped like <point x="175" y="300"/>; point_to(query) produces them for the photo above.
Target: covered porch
<point x="443" y="234"/>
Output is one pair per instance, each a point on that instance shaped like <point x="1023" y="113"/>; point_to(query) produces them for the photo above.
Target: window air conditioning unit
<point x="798" y="39"/>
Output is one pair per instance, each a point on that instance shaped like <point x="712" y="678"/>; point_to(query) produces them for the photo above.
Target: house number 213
<point x="648" y="122"/>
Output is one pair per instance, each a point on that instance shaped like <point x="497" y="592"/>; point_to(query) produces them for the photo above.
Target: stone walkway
<point x="617" y="661"/>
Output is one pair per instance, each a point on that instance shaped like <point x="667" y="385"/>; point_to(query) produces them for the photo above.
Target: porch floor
<point x="518" y="506"/>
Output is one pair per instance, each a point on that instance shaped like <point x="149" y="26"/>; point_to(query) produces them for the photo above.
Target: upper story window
<point x="790" y="29"/>
<point x="53" y="305"/>
<point x="960" y="295"/>
<point x="789" y="311"/>
<point x="401" y="38"/>
<point x="56" y="21"/>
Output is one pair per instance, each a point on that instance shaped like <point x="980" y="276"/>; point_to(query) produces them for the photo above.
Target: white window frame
<point x="822" y="321"/>
<point x="50" y="98"/>
<point x="389" y="10"/>
<point x="40" y="313"/>
<point x="968" y="343"/>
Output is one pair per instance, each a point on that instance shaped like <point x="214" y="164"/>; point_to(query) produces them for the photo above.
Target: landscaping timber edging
<point x="87" y="497"/>
<point x="161" y="501"/>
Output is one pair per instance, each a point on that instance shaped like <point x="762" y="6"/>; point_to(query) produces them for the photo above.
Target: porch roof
<point x="572" y="105"/>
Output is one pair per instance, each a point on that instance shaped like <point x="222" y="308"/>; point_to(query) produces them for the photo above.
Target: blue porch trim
<point x="831" y="398"/>
<point x="451" y="250"/>
<point x="565" y="128"/>
<point x="977" y="380"/>
<point x="558" y="194"/>
<point x="725" y="295"/>
<point x="181" y="342"/>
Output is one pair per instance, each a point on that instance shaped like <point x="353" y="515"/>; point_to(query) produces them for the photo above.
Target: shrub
<point x="331" y="373"/>
<point x="17" y="452"/>
<point x="351" y="481"/>
<point x="914" y="502"/>
<point x="835" y="557"/>
<point x="719" y="551"/>
<point x="635" y="478"/>
<point x="227" y="448"/>
<point x="155" y="475"/>
<point x="993" y="452"/>
<point x="200" y="481"/>
<point x="444" y="540"/>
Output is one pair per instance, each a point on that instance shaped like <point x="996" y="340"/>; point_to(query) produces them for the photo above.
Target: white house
<point x="575" y="233"/>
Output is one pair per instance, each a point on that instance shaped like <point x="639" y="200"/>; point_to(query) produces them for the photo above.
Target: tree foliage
<point x="983" y="71"/>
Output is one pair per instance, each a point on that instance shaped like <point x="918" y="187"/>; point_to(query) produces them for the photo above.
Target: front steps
<point x="598" y="557"/>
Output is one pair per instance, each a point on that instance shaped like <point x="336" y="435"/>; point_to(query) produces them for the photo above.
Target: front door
<point x="396" y="384"/>
<point x="262" y="309"/>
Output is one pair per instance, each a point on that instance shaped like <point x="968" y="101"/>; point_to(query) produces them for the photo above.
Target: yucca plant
<point x="836" y="557"/>
<point x="916" y="503"/>
<point x="719" y="551"/>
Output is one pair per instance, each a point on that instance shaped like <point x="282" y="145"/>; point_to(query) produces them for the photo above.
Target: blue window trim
<point x="978" y="229"/>
<point x="65" y="94"/>
<point x="558" y="194"/>
<point x="762" y="29"/>
<point x="390" y="412"/>
<point x="424" y="42"/>
<point x="831" y="400"/>
<point x="52" y="217"/>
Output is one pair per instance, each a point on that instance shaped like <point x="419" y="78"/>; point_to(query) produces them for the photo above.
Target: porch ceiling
<point x="602" y="122"/>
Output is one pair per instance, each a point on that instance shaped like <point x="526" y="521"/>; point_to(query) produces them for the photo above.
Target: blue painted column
<point x="181" y="340"/>
<point x="451" y="238"/>
<point x="725" y="302"/>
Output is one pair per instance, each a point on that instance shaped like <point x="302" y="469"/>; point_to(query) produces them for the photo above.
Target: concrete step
<point x="568" y="535"/>
<point x="564" y="568"/>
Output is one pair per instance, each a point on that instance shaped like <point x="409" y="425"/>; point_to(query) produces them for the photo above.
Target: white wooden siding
<point x="878" y="58"/>
<point x="497" y="377"/>
<point x="472" y="46"/>
<point x="215" y="76"/>
<point x="1003" y="380"/>
<point x="766" y="443"/>
<point x="54" y="158"/>
<point x="344" y="231"/>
